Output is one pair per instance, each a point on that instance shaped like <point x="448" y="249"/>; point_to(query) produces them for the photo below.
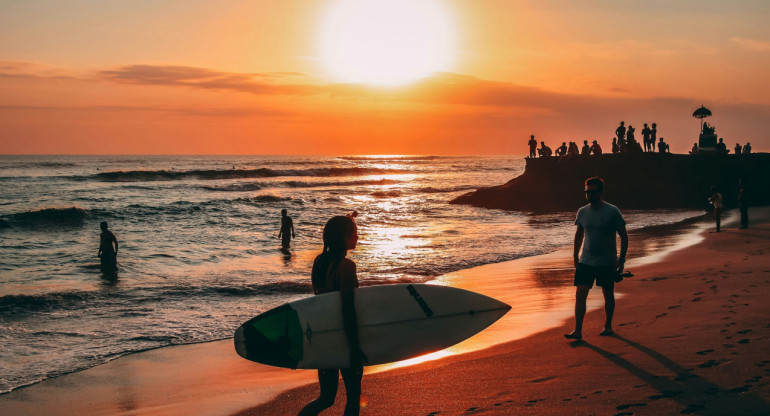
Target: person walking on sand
<point x="532" y="146"/>
<point x="287" y="229"/>
<point x="107" y="253"/>
<point x="743" y="204"/>
<point x="716" y="200"/>
<point x="597" y="223"/>
<point x="333" y="272"/>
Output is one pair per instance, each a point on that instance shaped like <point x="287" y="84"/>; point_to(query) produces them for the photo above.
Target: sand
<point x="693" y="335"/>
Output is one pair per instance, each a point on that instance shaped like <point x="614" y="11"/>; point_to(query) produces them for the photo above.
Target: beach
<point x="692" y="335"/>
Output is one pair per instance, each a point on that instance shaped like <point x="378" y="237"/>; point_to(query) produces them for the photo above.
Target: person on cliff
<point x="586" y="150"/>
<point x="597" y="223"/>
<point x="694" y="150"/>
<point x="646" y="138"/>
<point x="653" y="136"/>
<point x="562" y="150"/>
<point x="722" y="147"/>
<point x="596" y="149"/>
<point x="532" y="146"/>
<point x="544" y="150"/>
<point x="620" y="132"/>
<point x="615" y="148"/>
<point x="716" y="200"/>
<point x="747" y="148"/>
<point x="573" y="149"/>
<point x="630" y="140"/>
<point x="662" y="146"/>
<point x="738" y="148"/>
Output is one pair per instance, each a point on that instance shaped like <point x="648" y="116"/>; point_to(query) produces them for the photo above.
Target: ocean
<point x="199" y="252"/>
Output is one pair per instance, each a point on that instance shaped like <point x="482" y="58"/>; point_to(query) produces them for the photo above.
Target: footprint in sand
<point x="624" y="414"/>
<point x="695" y="299"/>
<point x="675" y="306"/>
<point x="661" y="315"/>
<point x="709" y="364"/>
<point x="692" y="408"/>
<point x="704" y="352"/>
<point x="626" y="406"/>
<point x="745" y="331"/>
<point x="665" y="395"/>
<point x="743" y="341"/>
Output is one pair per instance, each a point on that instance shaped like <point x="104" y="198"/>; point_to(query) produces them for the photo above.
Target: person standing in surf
<point x="597" y="223"/>
<point x="333" y="272"/>
<point x="107" y="253"/>
<point x="287" y="229"/>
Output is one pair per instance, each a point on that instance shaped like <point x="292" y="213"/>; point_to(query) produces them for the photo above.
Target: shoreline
<point x="240" y="390"/>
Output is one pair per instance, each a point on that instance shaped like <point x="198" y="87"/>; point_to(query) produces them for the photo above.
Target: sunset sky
<point x="389" y="77"/>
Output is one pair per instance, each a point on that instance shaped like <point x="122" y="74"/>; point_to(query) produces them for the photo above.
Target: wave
<point x="211" y="174"/>
<point x="302" y="184"/>
<point x="10" y="304"/>
<point x="238" y="187"/>
<point x="403" y="158"/>
<point x="47" y="216"/>
<point x="433" y="190"/>
<point x="386" y="194"/>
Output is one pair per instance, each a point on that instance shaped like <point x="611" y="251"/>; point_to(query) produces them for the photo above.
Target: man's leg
<point x="609" y="308"/>
<point x="718" y="216"/>
<point x="581" y="294"/>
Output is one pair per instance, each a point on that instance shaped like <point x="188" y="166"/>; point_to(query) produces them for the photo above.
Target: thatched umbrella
<point x="701" y="113"/>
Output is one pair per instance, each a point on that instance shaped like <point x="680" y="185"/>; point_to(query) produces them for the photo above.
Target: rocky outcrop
<point x="632" y="181"/>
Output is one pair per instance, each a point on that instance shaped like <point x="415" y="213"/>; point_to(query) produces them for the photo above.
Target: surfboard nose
<point x="240" y="343"/>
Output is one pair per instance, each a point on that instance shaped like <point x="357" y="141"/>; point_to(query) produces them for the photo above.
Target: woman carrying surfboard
<point x="332" y="272"/>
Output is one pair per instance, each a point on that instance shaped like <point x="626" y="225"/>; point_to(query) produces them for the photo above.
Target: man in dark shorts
<point x="287" y="229"/>
<point x="597" y="223"/>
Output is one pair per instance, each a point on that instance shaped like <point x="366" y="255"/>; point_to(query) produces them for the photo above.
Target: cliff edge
<point x="632" y="181"/>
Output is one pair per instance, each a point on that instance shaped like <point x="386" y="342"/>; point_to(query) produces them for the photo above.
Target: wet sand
<point x="672" y="353"/>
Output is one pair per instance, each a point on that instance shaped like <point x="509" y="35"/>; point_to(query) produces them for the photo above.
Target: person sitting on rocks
<point x="694" y="149"/>
<point x="747" y="148"/>
<point x="562" y="150"/>
<point x="596" y="149"/>
<point x="738" y="148"/>
<point x="722" y="147"/>
<point x="662" y="146"/>
<point x="586" y="150"/>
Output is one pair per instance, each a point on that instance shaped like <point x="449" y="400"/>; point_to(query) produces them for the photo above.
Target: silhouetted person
<point x="532" y="146"/>
<point x="662" y="146"/>
<point x="107" y="253"/>
<point x="620" y="132"/>
<point x="738" y="148"/>
<point x="287" y="229"/>
<point x="573" y="149"/>
<point x="586" y="150"/>
<point x="721" y="147"/>
<point x="595" y="148"/>
<point x="646" y="138"/>
<point x="747" y="148"/>
<point x="615" y="148"/>
<point x="743" y="204"/>
<point x="544" y="150"/>
<point x="333" y="272"/>
<point x="561" y="150"/>
<point x="694" y="149"/>
<point x="630" y="135"/>
<point x="597" y="223"/>
<point x="716" y="200"/>
<point x="653" y="136"/>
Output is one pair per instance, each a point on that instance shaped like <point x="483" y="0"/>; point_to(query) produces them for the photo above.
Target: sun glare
<point x="385" y="42"/>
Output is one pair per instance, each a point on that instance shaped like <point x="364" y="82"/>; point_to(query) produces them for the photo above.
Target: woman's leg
<point x="352" y="378"/>
<point x="329" y="380"/>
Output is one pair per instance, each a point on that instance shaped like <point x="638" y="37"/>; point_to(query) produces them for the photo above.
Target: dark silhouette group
<point x="623" y="142"/>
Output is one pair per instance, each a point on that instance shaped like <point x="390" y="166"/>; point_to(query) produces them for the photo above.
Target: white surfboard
<point x="395" y="322"/>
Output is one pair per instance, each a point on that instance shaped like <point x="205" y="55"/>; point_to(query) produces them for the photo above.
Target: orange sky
<point x="246" y="77"/>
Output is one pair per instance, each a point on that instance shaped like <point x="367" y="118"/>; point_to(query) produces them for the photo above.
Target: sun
<point x="385" y="42"/>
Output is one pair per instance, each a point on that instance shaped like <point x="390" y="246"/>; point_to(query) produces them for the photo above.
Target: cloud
<point x="192" y="111"/>
<point x="203" y="78"/>
<point x="752" y="44"/>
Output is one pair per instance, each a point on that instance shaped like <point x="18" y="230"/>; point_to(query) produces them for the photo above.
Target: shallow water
<point x="199" y="252"/>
